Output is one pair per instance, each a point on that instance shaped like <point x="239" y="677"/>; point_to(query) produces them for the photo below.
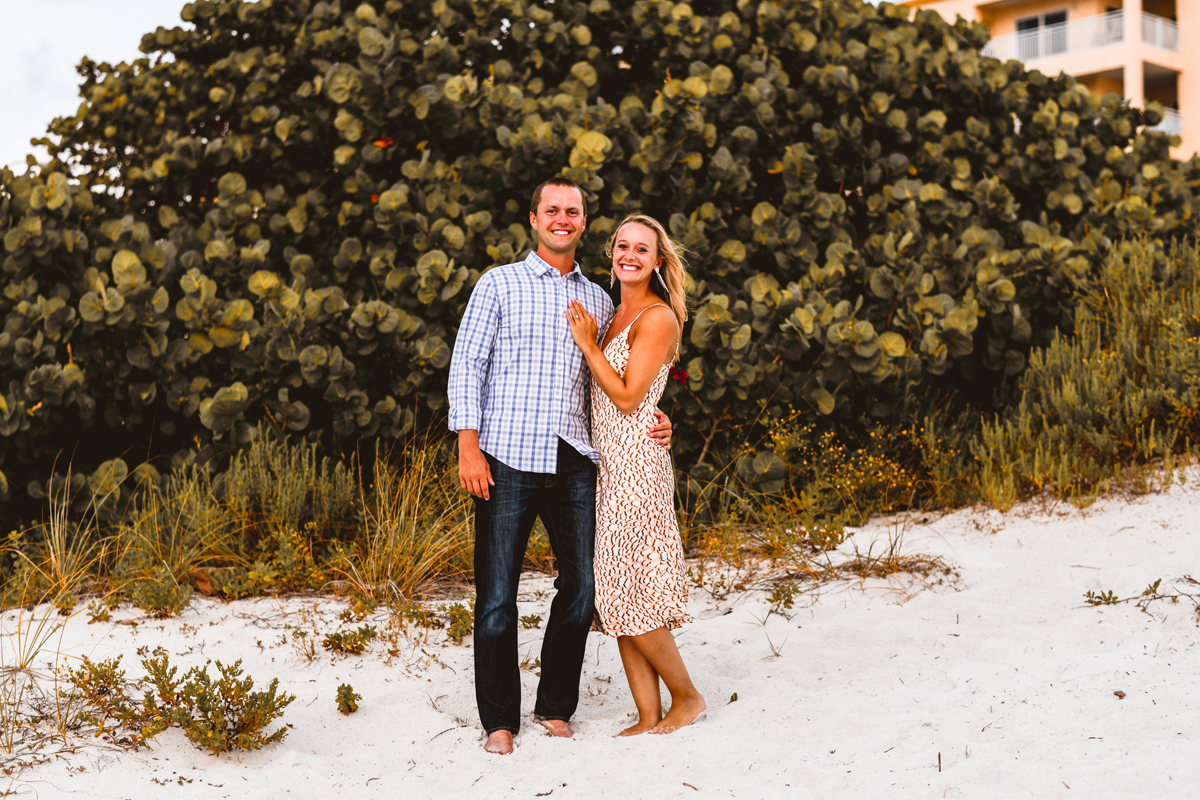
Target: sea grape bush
<point x="277" y="215"/>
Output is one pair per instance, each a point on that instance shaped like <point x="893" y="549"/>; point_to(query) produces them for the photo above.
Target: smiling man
<point x="519" y="390"/>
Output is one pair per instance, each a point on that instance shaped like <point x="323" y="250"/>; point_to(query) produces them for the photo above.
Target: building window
<point x="1042" y="35"/>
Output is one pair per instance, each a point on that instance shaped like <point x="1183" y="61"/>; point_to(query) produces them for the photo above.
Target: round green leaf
<point x="893" y="344"/>
<point x="342" y="82"/>
<point x="264" y="282"/>
<point x="91" y="307"/>
<point x="128" y="271"/>
<point x="732" y="251"/>
<point x="720" y="79"/>
<point x="231" y="185"/>
<point x="371" y="42"/>
<point x="824" y="400"/>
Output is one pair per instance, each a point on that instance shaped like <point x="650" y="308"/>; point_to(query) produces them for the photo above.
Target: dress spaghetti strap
<point x="678" y="341"/>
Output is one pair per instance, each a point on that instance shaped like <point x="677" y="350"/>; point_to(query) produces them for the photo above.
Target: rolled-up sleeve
<point x="472" y="356"/>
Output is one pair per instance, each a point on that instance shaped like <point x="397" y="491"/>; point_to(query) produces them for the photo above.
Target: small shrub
<point x="238" y="582"/>
<point x="783" y="597"/>
<point x="347" y="699"/>
<point x="413" y="613"/>
<point x="293" y="559"/>
<point x="359" y="609"/>
<point x="99" y="611"/>
<point x="100" y="694"/>
<point x="65" y="603"/>
<point x="462" y="622"/>
<point x="226" y="714"/>
<point x="352" y="643"/>
<point x="531" y="621"/>
<point x="1104" y="598"/>
<point x="161" y="595"/>
<point x="215" y="715"/>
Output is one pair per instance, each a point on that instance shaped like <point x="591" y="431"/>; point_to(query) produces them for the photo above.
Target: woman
<point x="641" y="593"/>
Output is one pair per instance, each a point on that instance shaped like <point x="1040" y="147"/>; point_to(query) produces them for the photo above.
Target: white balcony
<point x="1160" y="32"/>
<point x="1172" y="123"/>
<point x="1078" y="35"/>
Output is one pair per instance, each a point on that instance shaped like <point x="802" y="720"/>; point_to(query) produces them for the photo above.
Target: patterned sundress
<point x="640" y="584"/>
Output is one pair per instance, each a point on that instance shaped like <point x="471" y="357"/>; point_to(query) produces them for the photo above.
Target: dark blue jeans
<point x="566" y="503"/>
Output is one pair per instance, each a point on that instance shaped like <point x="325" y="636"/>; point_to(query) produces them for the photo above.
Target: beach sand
<point x="999" y="682"/>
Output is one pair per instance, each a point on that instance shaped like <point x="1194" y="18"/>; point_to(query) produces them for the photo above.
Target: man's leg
<point x="502" y="526"/>
<point x="568" y="510"/>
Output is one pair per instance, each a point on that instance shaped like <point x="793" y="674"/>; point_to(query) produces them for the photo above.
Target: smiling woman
<point x="40" y="69"/>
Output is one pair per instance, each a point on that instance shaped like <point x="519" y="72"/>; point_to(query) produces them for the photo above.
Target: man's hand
<point x="661" y="432"/>
<point x="474" y="474"/>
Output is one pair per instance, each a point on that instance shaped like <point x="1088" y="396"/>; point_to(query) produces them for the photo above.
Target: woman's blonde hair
<point x="673" y="269"/>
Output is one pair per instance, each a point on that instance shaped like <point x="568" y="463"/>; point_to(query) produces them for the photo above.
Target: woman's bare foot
<point x="640" y="727"/>
<point x="499" y="742"/>
<point x="683" y="713"/>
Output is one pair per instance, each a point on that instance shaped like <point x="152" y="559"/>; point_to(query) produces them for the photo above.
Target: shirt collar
<point x="539" y="266"/>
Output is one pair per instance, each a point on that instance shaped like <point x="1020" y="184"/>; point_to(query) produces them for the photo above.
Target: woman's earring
<point x="658" y="272"/>
<point x="612" y="278"/>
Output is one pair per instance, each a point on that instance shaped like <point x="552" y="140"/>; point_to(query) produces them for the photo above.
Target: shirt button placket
<point x="561" y="302"/>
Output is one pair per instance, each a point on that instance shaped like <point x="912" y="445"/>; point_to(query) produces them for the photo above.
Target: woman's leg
<point x="659" y="649"/>
<point x="643" y="683"/>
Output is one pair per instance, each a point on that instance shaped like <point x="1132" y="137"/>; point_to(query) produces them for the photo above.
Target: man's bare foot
<point x="499" y="742"/>
<point x="683" y="713"/>
<point x="641" y="727"/>
<point x="555" y="727"/>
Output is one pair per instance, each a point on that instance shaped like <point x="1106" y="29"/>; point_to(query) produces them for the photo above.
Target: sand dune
<point x="1003" y="676"/>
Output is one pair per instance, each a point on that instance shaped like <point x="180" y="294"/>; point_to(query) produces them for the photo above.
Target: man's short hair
<point x="557" y="180"/>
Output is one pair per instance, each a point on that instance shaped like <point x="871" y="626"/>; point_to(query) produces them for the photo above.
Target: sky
<point x="46" y="39"/>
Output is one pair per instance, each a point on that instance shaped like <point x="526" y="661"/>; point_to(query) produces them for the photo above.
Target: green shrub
<point x="102" y="699"/>
<point x="215" y="715"/>
<point x="225" y="714"/>
<point x="100" y="610"/>
<point x="347" y="699"/>
<point x="462" y="621"/>
<point x="160" y="594"/>
<point x="350" y="643"/>
<point x="277" y="488"/>
<point x="288" y="233"/>
<point x="1121" y="391"/>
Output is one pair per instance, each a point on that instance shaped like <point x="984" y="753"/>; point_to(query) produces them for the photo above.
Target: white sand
<point x="1007" y="675"/>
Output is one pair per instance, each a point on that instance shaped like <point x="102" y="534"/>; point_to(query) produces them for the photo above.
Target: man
<point x="519" y="401"/>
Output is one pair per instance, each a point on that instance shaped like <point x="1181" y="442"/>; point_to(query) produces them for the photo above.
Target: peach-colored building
<point x="1141" y="49"/>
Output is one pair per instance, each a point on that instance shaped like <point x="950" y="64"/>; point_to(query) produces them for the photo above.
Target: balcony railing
<point x="1087" y="33"/>
<point x="1067" y="37"/>
<point x="1172" y="123"/>
<point x="1160" y="32"/>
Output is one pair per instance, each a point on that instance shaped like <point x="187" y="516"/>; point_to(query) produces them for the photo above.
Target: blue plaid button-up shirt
<point x="516" y="375"/>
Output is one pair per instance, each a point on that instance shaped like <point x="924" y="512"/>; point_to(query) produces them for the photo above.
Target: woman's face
<point x="635" y="254"/>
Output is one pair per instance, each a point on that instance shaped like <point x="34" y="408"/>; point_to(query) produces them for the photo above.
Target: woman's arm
<point x="657" y="335"/>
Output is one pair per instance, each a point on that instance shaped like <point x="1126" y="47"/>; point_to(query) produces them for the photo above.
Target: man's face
<point x="559" y="220"/>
